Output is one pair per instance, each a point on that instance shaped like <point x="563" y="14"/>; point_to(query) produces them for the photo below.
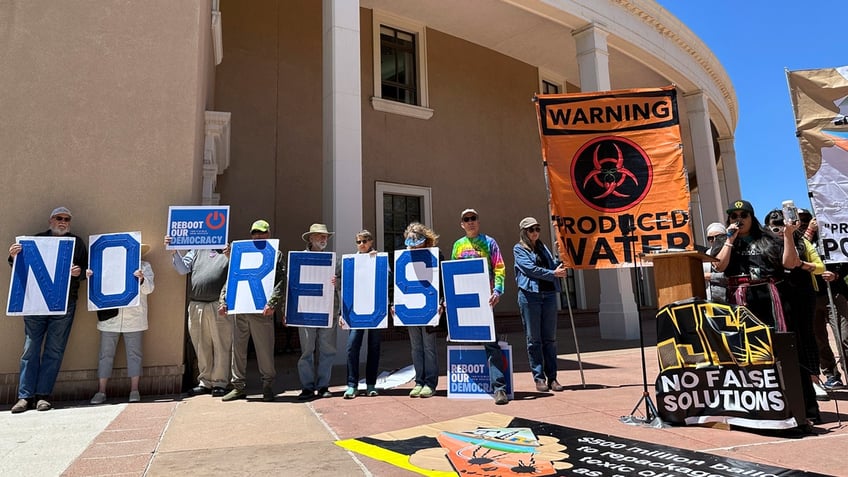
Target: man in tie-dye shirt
<point x="477" y="245"/>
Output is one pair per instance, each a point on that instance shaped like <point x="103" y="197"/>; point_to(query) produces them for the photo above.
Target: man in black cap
<point x="40" y="369"/>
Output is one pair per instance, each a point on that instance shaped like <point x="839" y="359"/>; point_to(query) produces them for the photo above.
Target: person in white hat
<point x="48" y="332"/>
<point x="477" y="245"/>
<point x="315" y="377"/>
<point x="538" y="277"/>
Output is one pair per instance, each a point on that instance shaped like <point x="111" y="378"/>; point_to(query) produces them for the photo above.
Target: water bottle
<point x="790" y="212"/>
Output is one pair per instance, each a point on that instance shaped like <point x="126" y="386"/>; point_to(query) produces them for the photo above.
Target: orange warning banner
<point x="616" y="178"/>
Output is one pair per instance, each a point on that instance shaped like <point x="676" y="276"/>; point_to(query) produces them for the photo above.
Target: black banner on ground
<point x="558" y="451"/>
<point x="719" y="363"/>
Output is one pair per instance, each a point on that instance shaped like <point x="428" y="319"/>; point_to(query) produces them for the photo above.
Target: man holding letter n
<point x="477" y="245"/>
<point x="52" y="328"/>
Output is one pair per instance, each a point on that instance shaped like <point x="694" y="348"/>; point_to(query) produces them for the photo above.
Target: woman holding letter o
<point x="537" y="275"/>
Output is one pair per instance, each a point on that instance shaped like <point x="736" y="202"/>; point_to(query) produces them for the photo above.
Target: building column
<point x="342" y="124"/>
<point x="618" y="315"/>
<point x="705" y="165"/>
<point x="732" y="190"/>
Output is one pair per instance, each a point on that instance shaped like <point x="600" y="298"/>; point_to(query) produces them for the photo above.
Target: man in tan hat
<point x="315" y="378"/>
<point x="259" y="326"/>
<point x="50" y="332"/>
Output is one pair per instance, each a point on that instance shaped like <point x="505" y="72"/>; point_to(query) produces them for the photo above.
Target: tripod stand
<point x="651" y="415"/>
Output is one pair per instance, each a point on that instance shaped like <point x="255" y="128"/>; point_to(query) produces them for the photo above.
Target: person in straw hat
<point x="316" y="342"/>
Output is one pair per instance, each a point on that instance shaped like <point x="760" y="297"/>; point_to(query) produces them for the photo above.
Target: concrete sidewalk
<point x="202" y="435"/>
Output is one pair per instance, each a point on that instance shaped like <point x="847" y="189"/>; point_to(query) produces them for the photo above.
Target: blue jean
<point x="539" y="315"/>
<point x="320" y="341"/>
<point x="424" y="358"/>
<point x="39" y="370"/>
<point x="497" y="366"/>
<point x="372" y="362"/>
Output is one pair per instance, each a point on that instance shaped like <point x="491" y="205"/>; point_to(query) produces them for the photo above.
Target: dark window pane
<point x="398" y="72"/>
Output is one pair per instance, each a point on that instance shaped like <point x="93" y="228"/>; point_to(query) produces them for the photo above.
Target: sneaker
<point x="833" y="382"/>
<point x="43" y="405"/>
<point x="268" y="394"/>
<point x="98" y="398"/>
<point x="426" y="392"/>
<point x="233" y="395"/>
<point x="371" y="391"/>
<point x="305" y="395"/>
<point x="349" y="393"/>
<point x="500" y="397"/>
<point x="541" y="386"/>
<point x="821" y="394"/>
<point x="416" y="391"/>
<point x="135" y="396"/>
<point x="22" y="405"/>
<point x="325" y="393"/>
<point x="556" y="386"/>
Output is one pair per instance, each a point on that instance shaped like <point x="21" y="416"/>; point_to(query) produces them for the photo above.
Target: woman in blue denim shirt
<point x="537" y="275"/>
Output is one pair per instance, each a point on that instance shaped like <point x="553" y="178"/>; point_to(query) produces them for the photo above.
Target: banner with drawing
<point x="617" y="183"/>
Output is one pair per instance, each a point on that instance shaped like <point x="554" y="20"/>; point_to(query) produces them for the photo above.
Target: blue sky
<point x="755" y="40"/>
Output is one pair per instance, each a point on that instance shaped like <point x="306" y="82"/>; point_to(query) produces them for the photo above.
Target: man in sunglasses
<point x="478" y="245"/>
<point x="50" y="332"/>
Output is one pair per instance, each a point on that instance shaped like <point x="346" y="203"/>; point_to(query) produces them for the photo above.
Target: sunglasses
<point x="470" y="218"/>
<point x="740" y="215"/>
<point x="712" y="238"/>
<point x="533" y="229"/>
<point x="61" y="218"/>
<point x="359" y="242"/>
<point x="776" y="229"/>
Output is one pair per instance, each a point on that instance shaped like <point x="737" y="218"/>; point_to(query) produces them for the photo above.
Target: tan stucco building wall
<point x="103" y="112"/>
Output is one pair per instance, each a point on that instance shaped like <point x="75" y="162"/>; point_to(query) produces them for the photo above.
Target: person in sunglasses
<point x="477" y="245"/>
<point x="364" y="244"/>
<point x="39" y="369"/>
<point x="798" y="293"/>
<point x="716" y="285"/>
<point x="752" y="260"/>
<point x="538" y="275"/>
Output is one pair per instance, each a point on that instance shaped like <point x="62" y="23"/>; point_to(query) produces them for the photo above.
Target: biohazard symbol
<point x="611" y="173"/>
<point x="216" y="219"/>
<point x="609" y="178"/>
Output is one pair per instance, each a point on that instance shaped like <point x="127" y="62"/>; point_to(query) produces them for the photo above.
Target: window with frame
<point x="400" y="66"/>
<point x="397" y="206"/>
<point x="549" y="87"/>
<point x="398" y="77"/>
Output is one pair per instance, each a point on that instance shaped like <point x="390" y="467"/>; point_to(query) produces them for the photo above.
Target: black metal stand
<point x="651" y="416"/>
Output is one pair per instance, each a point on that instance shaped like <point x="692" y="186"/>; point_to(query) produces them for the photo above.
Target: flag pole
<point x="559" y="258"/>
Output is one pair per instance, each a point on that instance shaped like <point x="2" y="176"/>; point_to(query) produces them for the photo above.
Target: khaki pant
<point x="212" y="337"/>
<point x="261" y="328"/>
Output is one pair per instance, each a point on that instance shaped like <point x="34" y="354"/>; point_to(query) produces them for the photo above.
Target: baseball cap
<point x="741" y="205"/>
<point x="61" y="210"/>
<point x="468" y="211"/>
<point x="260" y="226"/>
